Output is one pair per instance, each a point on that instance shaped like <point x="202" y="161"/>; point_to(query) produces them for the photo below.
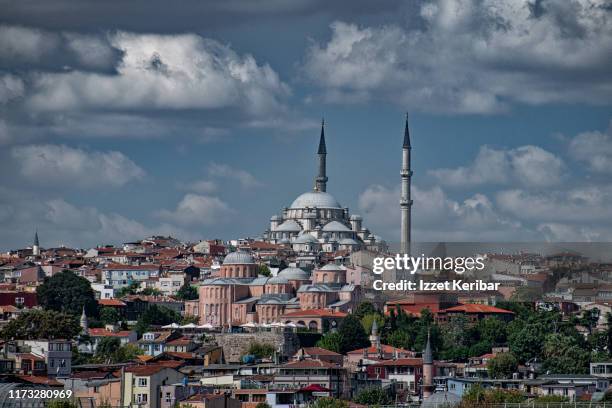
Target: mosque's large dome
<point x="315" y="199"/>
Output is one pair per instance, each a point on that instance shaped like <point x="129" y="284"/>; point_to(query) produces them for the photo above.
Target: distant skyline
<point x="122" y="120"/>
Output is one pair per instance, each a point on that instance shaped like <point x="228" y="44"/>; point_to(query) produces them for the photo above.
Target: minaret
<point x="36" y="246"/>
<point x="375" y="338"/>
<point x="405" y="201"/>
<point x="427" y="369"/>
<point x="321" y="180"/>
<point x="84" y="323"/>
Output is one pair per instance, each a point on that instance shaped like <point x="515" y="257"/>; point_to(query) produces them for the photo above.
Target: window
<point x="140" y="398"/>
<point x="168" y="397"/>
<point x="19" y="300"/>
<point x="142" y="382"/>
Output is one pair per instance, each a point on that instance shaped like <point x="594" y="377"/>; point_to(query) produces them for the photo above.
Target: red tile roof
<point x="145" y="370"/>
<point x="476" y="308"/>
<point x="99" y="332"/>
<point x="110" y="302"/>
<point x="403" y="362"/>
<point x="320" y="351"/>
<point x="315" y="313"/>
<point x="387" y="349"/>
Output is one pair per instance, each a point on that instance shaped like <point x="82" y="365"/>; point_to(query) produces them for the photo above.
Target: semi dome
<point x="289" y="226"/>
<point x="335" y="226"/>
<point x="306" y="239"/>
<point x="348" y="241"/>
<point x="315" y="199"/>
<point x="294" y="274"/>
<point x="238" y="257"/>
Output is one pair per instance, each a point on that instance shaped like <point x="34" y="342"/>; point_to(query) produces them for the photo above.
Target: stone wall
<point x="235" y="345"/>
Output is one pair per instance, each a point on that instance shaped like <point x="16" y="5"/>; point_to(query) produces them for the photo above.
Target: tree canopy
<point x="68" y="293"/>
<point x="187" y="292"/>
<point x="41" y="324"/>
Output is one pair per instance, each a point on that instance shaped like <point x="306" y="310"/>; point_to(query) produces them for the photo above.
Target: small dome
<point x="335" y="226"/>
<point x="315" y="199"/>
<point x="277" y="280"/>
<point x="331" y="267"/>
<point x="274" y="218"/>
<point x="356" y="217"/>
<point x="294" y="274"/>
<point x="238" y="257"/>
<point x="289" y="226"/>
<point x="305" y="239"/>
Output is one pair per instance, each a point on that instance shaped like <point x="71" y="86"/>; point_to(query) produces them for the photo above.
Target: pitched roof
<point x="99" y="332"/>
<point x="110" y="302"/>
<point x="476" y="308"/>
<point x="403" y="362"/>
<point x="319" y="351"/>
<point x="145" y="370"/>
<point x="387" y="349"/>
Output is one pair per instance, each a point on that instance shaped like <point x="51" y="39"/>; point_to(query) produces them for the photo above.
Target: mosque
<point x="316" y="221"/>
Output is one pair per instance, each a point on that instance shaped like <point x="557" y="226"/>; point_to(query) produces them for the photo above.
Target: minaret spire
<point x="36" y="245"/>
<point x="405" y="200"/>
<point x="321" y="180"/>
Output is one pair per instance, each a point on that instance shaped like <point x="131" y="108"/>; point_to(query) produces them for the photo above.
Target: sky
<point x="119" y="120"/>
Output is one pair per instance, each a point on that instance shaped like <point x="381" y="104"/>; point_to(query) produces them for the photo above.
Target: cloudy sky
<point x="124" y="119"/>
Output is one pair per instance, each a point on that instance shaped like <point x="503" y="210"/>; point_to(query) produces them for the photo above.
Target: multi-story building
<point x="57" y="355"/>
<point x="142" y="384"/>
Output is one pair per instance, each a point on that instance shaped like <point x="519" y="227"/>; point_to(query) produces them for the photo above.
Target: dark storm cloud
<point x="168" y="17"/>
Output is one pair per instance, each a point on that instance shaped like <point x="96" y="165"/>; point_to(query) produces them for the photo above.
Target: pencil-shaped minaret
<point x="405" y="201"/>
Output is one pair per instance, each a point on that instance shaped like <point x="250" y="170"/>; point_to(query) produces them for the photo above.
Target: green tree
<point x="352" y="335"/>
<point x="565" y="355"/>
<point x="263" y="270"/>
<point x="502" y="365"/>
<point x="150" y="292"/>
<point x="261" y="350"/>
<point x="373" y="396"/>
<point x="41" y="324"/>
<point x="109" y="315"/>
<point x="328" y="402"/>
<point x="68" y="293"/>
<point x="492" y="331"/>
<point x="368" y="320"/>
<point x="331" y="341"/>
<point x="156" y="315"/>
<point x="187" y="292"/>
<point x="363" y="309"/>
<point x="190" y="319"/>
<point x="263" y="405"/>
<point x="127" y="353"/>
<point x="131" y="289"/>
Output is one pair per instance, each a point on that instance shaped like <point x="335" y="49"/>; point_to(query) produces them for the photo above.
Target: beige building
<point x="142" y="384"/>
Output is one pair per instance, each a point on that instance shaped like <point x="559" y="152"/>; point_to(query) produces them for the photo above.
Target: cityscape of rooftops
<point x="207" y="204"/>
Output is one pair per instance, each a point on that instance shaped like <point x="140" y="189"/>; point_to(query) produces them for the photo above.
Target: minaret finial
<point x="406" y="134"/>
<point x="321" y="180"/>
<point x="322" y="147"/>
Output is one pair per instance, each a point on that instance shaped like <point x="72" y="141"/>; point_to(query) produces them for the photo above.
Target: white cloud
<point x="436" y="217"/>
<point x="196" y="209"/>
<point x="166" y="72"/>
<point x="472" y="56"/>
<point x="199" y="186"/>
<point x="526" y="165"/>
<point x="595" y="149"/>
<point x="582" y="205"/>
<point x="243" y="177"/>
<point x="91" y="51"/>
<point x="26" y="44"/>
<point x="72" y="166"/>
